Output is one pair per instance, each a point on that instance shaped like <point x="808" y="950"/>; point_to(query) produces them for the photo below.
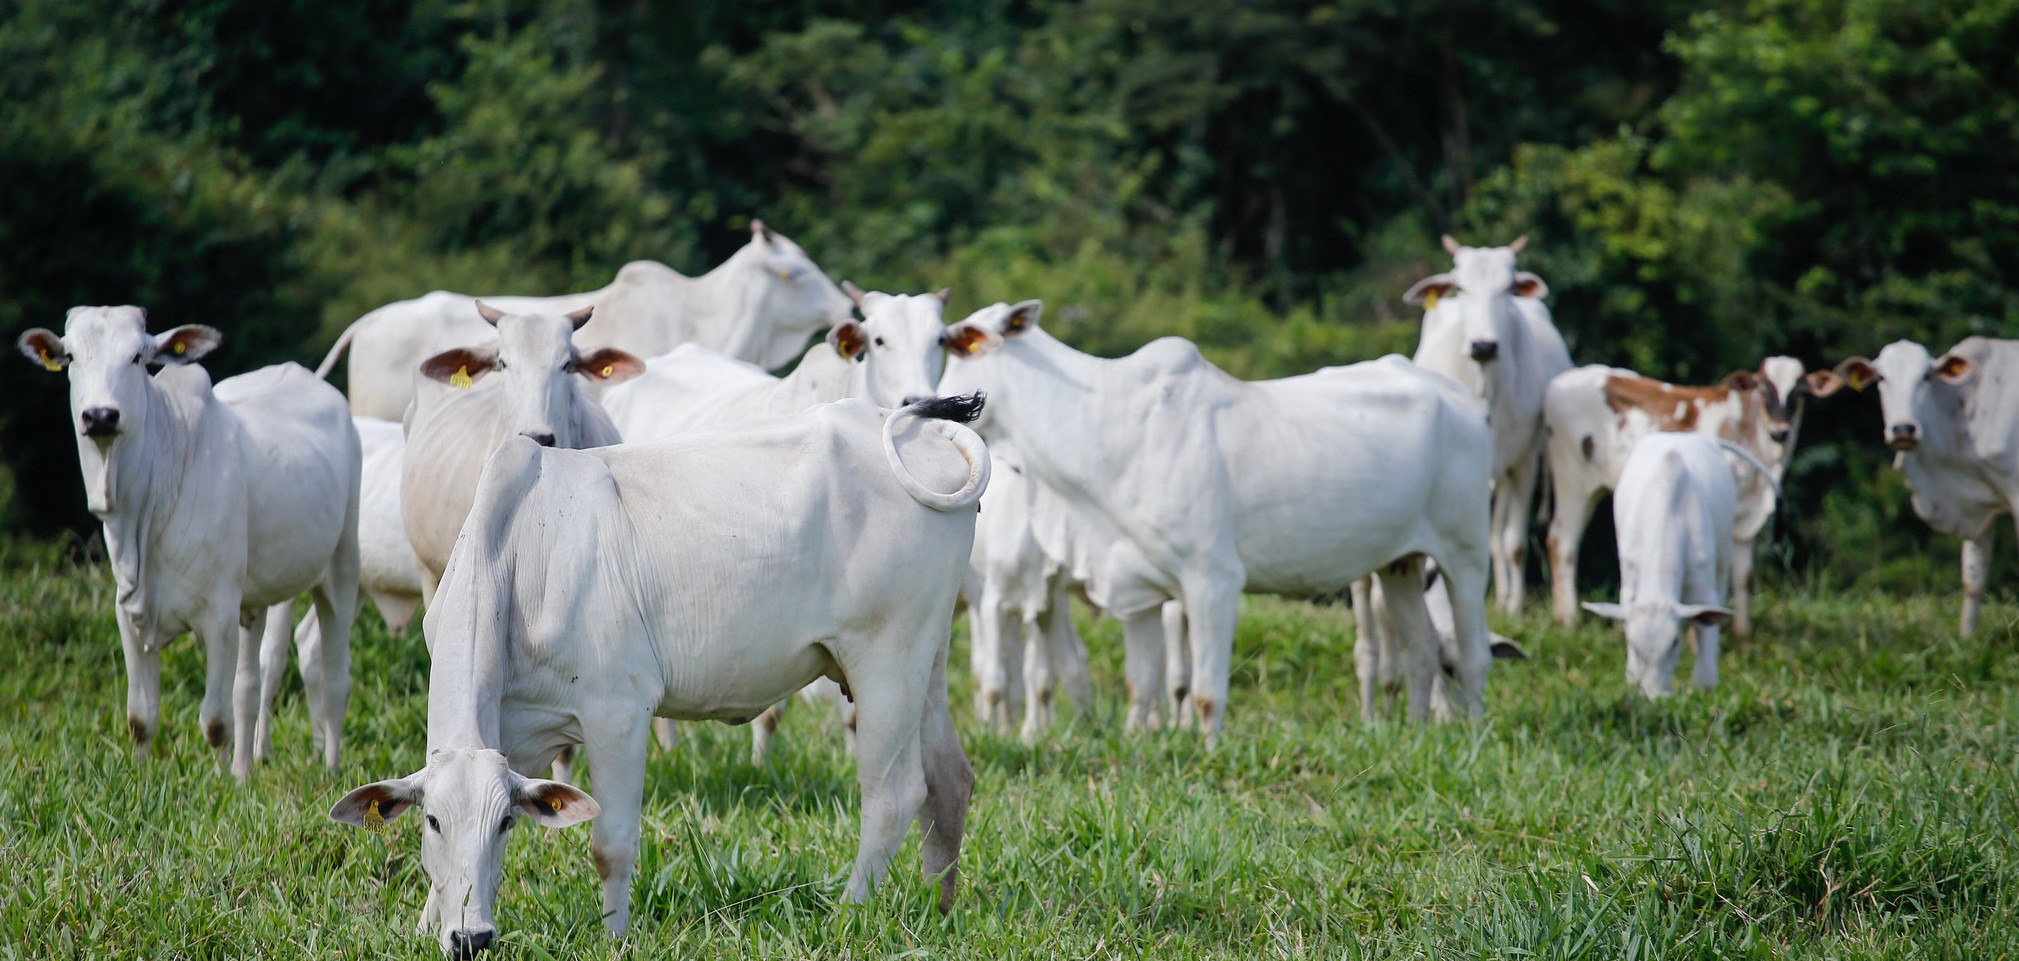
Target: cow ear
<point x="1429" y="289"/>
<point x="1822" y="383"/>
<point x="490" y="314"/>
<point x="1703" y="615"/>
<point x="608" y="365"/>
<point x="372" y="806"/>
<point x="1022" y="317"/>
<point x="1608" y="611"/>
<point x="849" y="339"/>
<point x="1529" y="285"/>
<point x="1955" y="368"/>
<point x="969" y="339"/>
<point x="554" y="804"/>
<point x="1858" y="373"/>
<point x="1742" y="381"/>
<point x="580" y="317"/>
<point x="460" y="366"/>
<point x="42" y="346"/>
<point x="1504" y="649"/>
<point x="185" y="344"/>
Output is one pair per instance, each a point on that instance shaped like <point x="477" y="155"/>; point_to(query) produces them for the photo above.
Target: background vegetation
<point x="1706" y="183"/>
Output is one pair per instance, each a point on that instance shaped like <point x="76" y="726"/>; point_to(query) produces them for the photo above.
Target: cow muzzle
<point x="1903" y="436"/>
<point x="464" y="945"/>
<point x="1778" y="435"/>
<point x="100" y="421"/>
<point x="544" y="438"/>
<point x="1484" y="351"/>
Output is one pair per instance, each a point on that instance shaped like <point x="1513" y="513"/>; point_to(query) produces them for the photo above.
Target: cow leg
<point x="143" y="686"/>
<point x="1212" y="609"/>
<point x="250" y="631"/>
<point x="1512" y="500"/>
<point x="563" y="769"/>
<point x="1704" y="673"/>
<point x="1465" y="584"/>
<point x="949" y="784"/>
<point x="1178" y="664"/>
<point x="1568" y="519"/>
<point x="615" y="749"/>
<point x="890" y="709"/>
<point x="762" y="729"/>
<point x="666" y="732"/>
<point x="1976" y="572"/>
<point x="987" y="659"/>
<point x="1742" y="588"/>
<point x="1037" y="680"/>
<point x="336" y="607"/>
<point x="1366" y="649"/>
<point x="1143" y="668"/>
<point x="273" y="645"/>
<point x="1068" y="650"/>
<point x="1415" y="637"/>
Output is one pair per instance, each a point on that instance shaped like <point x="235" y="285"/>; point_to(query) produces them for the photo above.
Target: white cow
<point x="1955" y="422"/>
<point x="1188" y="485"/>
<point x="1485" y="326"/>
<point x="1674" y="509"/>
<point x="760" y="305"/>
<point x="1022" y="642"/>
<point x="703" y="577"/>
<point x="218" y="503"/>
<point x="1373" y="621"/>
<point x="387" y="570"/>
<point x="1595" y="414"/>
<point x="522" y="385"/>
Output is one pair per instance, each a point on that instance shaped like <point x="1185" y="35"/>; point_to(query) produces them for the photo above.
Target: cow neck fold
<point x="144" y="477"/>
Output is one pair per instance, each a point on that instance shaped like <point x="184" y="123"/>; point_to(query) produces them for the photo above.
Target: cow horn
<point x="854" y="293"/>
<point x="1519" y="243"/>
<point x="1451" y="244"/>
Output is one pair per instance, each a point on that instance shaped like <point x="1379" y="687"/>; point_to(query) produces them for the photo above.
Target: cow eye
<point x="138" y="358"/>
<point x="499" y="364"/>
<point x="434" y="825"/>
<point x="505" y="826"/>
<point x="879" y="341"/>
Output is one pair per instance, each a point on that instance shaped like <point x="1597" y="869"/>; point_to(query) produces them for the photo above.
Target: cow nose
<point x="1904" y="435"/>
<point x="1779" y="435"/>
<point x="464" y="945"/>
<point x="911" y="399"/>
<point x="101" y="421"/>
<point x="544" y="438"/>
<point x="1485" y="350"/>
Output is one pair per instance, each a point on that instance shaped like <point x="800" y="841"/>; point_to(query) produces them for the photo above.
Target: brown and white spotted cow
<point x="1595" y="414"/>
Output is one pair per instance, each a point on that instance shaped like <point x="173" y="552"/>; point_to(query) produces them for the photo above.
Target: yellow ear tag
<point x="783" y="274"/>
<point x="180" y="347"/>
<point x="1430" y="300"/>
<point x="609" y="369"/>
<point x="374" y="822"/>
<point x="461" y="378"/>
<point x="49" y="363"/>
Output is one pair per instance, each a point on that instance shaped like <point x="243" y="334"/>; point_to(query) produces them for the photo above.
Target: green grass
<point x="1848" y="792"/>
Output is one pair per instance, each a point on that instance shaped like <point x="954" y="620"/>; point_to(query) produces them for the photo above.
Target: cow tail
<point x="948" y="416"/>
<point x="329" y="360"/>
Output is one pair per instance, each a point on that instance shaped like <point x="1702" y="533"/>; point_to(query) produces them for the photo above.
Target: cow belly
<point x="737" y="682"/>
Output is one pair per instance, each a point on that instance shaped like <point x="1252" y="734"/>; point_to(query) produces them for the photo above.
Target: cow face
<point x="1781" y="386"/>
<point x="106" y="352"/>
<point x="470" y="800"/>
<point x="972" y="343"/>
<point x="1654" y="638"/>
<point x="1906" y="376"/>
<point x="785" y="284"/>
<point x="534" y="359"/>
<point x="1484" y="282"/>
<point x="901" y="341"/>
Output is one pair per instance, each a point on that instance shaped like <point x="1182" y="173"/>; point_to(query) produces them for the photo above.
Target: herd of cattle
<point x="604" y="543"/>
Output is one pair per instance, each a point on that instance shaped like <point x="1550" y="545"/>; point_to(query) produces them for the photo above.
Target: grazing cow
<point x="760" y="305"/>
<point x="891" y="357"/>
<point x="1373" y="621"/>
<point x="1022" y="642"/>
<point x="1955" y="422"/>
<point x="1674" y="509"/>
<point x="218" y="503"/>
<point x="525" y="385"/>
<point x="1595" y="414"/>
<point x="1185" y="484"/>
<point x="702" y="577"/>
<point x="1485" y="326"/>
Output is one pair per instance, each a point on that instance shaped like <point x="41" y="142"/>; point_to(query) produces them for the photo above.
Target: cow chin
<point x="1903" y="443"/>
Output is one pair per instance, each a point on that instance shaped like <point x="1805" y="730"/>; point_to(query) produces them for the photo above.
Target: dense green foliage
<point x="1705" y="183"/>
<point x="1847" y="792"/>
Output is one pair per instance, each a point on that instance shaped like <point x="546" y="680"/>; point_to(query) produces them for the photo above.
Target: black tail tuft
<point x="960" y="410"/>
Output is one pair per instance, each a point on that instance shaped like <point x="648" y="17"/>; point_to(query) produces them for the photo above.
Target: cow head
<point x="1781" y="385"/>
<point x="1484" y="283"/>
<point x="106" y="352"/>
<point x="1654" y="638"/>
<point x="470" y="800"/>
<point x="534" y="359"/>
<point x="784" y="285"/>
<point x="983" y="333"/>
<point x="901" y="343"/>
<point x="1906" y="375"/>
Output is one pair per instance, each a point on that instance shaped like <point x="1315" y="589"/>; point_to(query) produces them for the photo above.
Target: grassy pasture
<point x="1848" y="792"/>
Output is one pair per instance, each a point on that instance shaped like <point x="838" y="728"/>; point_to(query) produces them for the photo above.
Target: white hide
<point x="217" y="503"/>
<point x="761" y="305"/>
<point x="1674" y="509"/>
<point x="387" y="570"/>
<point x="703" y="577"/>
<point x="1373" y="621"/>
<point x="1023" y="646"/>
<point x="1485" y="326"/>
<point x="1180" y="483"/>
<point x="1955" y="422"/>
<point x="1592" y="428"/>
<point x="525" y="384"/>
